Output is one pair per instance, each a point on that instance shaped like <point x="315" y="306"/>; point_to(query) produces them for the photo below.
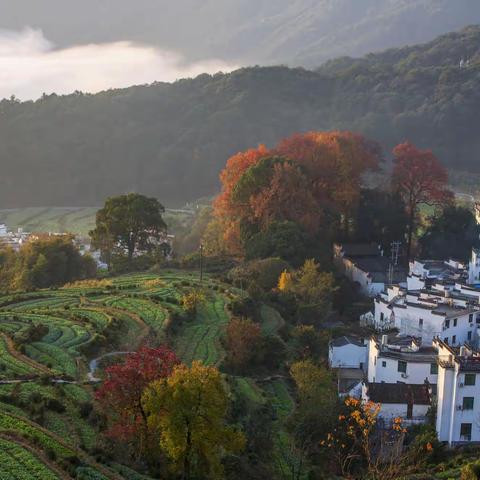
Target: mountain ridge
<point x="171" y="140"/>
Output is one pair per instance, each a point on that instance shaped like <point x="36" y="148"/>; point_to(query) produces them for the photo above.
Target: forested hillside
<point x="171" y="140"/>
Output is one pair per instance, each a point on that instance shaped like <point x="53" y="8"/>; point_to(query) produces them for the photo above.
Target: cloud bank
<point x="30" y="65"/>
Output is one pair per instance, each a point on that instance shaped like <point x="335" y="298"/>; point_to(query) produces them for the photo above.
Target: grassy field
<point x="41" y="429"/>
<point x="77" y="220"/>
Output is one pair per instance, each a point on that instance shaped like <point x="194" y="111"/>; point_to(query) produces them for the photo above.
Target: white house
<point x="458" y="394"/>
<point x="347" y="355"/>
<point x="409" y="401"/>
<point x="365" y="265"/>
<point x="348" y="351"/>
<point x="401" y="360"/>
<point x="474" y="267"/>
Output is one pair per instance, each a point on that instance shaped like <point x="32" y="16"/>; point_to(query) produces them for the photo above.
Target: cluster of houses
<point x="423" y="362"/>
<point x="12" y="239"/>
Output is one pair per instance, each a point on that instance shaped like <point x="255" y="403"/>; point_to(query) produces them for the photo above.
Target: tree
<point x="287" y="240"/>
<point x="356" y="442"/>
<point x="309" y="343"/>
<point x="380" y="218"/>
<point x="420" y="179"/>
<point x="312" y="289"/>
<point x="120" y="395"/>
<point x="128" y="223"/>
<point x="189" y="410"/>
<point x="316" y="407"/>
<point x="46" y="261"/>
<point x="307" y="180"/>
<point x="242" y="340"/>
<point x="191" y="301"/>
<point x="451" y="234"/>
<point x="335" y="163"/>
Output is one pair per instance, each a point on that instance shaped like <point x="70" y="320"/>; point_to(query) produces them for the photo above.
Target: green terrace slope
<point x="49" y="338"/>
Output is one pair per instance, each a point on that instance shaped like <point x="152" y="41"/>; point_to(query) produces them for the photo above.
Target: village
<point x="422" y="360"/>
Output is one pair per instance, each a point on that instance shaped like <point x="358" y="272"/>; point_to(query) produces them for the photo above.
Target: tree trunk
<point x="186" y="460"/>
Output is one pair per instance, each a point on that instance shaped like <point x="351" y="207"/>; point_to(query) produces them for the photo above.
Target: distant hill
<point x="293" y="32"/>
<point x="171" y="140"/>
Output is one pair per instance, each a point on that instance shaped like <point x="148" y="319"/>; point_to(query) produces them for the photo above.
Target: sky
<point x="30" y="65"/>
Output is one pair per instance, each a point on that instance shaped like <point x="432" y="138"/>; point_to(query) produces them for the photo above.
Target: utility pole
<point x="201" y="262"/>
<point x="395" y="250"/>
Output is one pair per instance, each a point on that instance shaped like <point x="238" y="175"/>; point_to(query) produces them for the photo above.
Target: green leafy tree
<point x="45" y="262"/>
<point x="128" y="223"/>
<point x="312" y="289"/>
<point x="451" y="234"/>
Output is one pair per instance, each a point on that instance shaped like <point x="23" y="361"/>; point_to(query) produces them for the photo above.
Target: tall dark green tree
<point x="380" y="218"/>
<point x="451" y="234"/>
<point x="128" y="223"/>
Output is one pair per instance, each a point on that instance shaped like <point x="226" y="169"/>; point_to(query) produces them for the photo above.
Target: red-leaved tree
<point x="419" y="178"/>
<point x="120" y="395"/>
<point x="305" y="176"/>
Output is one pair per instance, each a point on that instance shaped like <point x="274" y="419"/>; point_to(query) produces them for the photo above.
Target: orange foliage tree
<point x="419" y="178"/>
<point x="357" y="442"/>
<point x="302" y="178"/>
<point x="242" y="341"/>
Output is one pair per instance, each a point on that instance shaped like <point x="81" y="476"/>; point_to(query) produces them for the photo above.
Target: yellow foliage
<point x="285" y="281"/>
<point x="154" y="283"/>
<point x="189" y="409"/>
<point x="93" y="283"/>
<point x="192" y="300"/>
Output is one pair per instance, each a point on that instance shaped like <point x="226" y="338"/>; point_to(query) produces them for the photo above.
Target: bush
<point x="263" y="274"/>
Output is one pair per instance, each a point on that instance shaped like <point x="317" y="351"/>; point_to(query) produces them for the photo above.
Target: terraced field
<point x="48" y="339"/>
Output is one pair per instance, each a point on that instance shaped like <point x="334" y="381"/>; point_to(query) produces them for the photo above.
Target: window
<point x="467" y="403"/>
<point x="402" y="366"/>
<point x="446" y="340"/>
<point x="447" y="323"/>
<point x="470" y="318"/>
<point x="420" y="322"/>
<point x="454" y="340"/>
<point x="478" y="319"/>
<point x="470" y="379"/>
<point x="382" y="316"/>
<point x="433" y="369"/>
<point x="469" y="335"/>
<point x="384" y="363"/>
<point x="466" y="431"/>
<point x="455" y="322"/>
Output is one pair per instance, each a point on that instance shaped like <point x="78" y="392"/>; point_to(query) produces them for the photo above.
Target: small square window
<point x="433" y="369"/>
<point x="455" y="320"/>
<point x="470" y="379"/>
<point x="454" y="340"/>
<point x="447" y="323"/>
<point x="466" y="431"/>
<point x="384" y="363"/>
<point x="467" y="403"/>
<point x="402" y="366"/>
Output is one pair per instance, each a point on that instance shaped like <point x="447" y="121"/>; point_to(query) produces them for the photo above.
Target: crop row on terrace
<point x="16" y="462"/>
